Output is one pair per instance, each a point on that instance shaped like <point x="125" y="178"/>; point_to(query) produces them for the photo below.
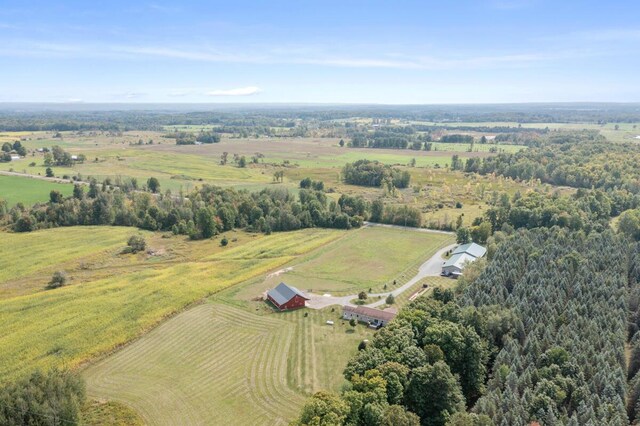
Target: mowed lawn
<point x="234" y="360"/>
<point x="366" y="258"/>
<point x="28" y="191"/>
<point x="110" y="306"/>
<point x="216" y="364"/>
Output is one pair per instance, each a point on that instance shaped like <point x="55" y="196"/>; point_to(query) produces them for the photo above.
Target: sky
<point x="324" y="51"/>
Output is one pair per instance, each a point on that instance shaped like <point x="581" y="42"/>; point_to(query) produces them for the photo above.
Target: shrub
<point x="362" y="295"/>
<point x="390" y="300"/>
<point x="58" y="279"/>
<point x="224" y="242"/>
<point x="135" y="244"/>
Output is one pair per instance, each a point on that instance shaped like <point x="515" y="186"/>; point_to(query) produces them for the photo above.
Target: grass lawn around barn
<point x="366" y="258"/>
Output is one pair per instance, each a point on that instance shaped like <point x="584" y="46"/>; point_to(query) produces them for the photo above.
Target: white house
<point x="461" y="256"/>
<point x="373" y="317"/>
<point x="15" y="157"/>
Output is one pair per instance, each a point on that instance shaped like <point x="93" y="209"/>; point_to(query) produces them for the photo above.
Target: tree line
<point x="204" y="212"/>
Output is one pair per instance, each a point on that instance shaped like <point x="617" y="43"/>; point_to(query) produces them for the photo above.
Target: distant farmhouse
<point x="461" y="256"/>
<point x="374" y="317"/>
<point x="286" y="297"/>
<point x="15" y="157"/>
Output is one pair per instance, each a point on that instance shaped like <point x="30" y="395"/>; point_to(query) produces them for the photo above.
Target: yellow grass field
<point x="106" y="307"/>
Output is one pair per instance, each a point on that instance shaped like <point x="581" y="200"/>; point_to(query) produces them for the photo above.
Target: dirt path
<point x="50" y="179"/>
<point x="409" y="228"/>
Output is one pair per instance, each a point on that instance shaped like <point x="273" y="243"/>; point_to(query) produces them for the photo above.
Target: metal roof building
<point x="373" y="316"/>
<point x="286" y="297"/>
<point x="461" y="256"/>
<point x="473" y="249"/>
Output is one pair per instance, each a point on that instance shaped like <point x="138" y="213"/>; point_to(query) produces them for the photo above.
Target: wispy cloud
<point x="163" y="8"/>
<point x="511" y="4"/>
<point x="319" y="55"/>
<point x="178" y="93"/>
<point x="630" y="34"/>
<point x="132" y="95"/>
<point x="240" y="91"/>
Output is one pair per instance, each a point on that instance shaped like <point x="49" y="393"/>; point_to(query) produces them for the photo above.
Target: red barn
<point x="286" y="297"/>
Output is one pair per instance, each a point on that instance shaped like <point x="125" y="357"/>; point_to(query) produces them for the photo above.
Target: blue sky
<point x="348" y="51"/>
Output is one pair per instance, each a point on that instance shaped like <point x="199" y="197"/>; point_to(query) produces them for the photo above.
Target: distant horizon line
<point x="315" y="103"/>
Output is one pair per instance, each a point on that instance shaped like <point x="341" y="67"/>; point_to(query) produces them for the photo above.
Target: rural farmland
<point x="328" y="213"/>
<point x="271" y="360"/>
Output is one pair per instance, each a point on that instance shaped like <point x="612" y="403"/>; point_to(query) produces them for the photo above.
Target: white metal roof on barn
<point x="458" y="260"/>
<point x="472" y="249"/>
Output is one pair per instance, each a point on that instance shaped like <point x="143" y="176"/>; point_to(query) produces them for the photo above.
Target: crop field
<point x="216" y="364"/>
<point x="27" y="260"/>
<point x="115" y="298"/>
<point x="17" y="189"/>
<point x="184" y="167"/>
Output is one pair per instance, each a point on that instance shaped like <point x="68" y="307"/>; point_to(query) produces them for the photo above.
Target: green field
<point x="17" y="189"/>
<point x="184" y="167"/>
<point x="626" y="132"/>
<point x="366" y="258"/>
<point x="216" y="364"/>
<point x="116" y="297"/>
<point x="233" y="360"/>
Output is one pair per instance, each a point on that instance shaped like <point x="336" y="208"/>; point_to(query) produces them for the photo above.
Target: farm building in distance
<point x="374" y="317"/>
<point x="461" y="256"/>
<point x="285" y="297"/>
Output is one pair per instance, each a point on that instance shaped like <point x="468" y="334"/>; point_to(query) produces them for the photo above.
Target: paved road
<point x="430" y="268"/>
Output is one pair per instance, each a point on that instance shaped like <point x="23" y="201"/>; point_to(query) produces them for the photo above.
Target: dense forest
<point x="578" y="159"/>
<point x="572" y="292"/>
<point x="538" y="336"/>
